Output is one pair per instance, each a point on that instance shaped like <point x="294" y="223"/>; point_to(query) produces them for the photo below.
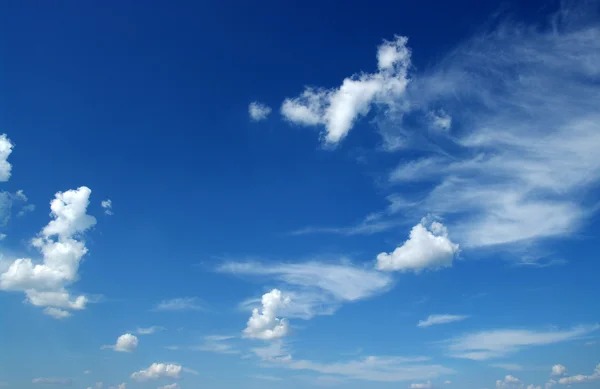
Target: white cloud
<point x="275" y="352"/>
<point x="440" y="120"/>
<point x="425" y="385"/>
<point x="26" y="209"/>
<point x="87" y="372"/>
<point x="580" y="378"/>
<point x="337" y="109"/>
<point x="258" y="111"/>
<point x="6" y="147"/>
<point x="264" y="324"/>
<point x="20" y="195"/>
<point x="315" y="288"/>
<point x="180" y="304"/>
<point x="373" y="368"/>
<point x="447" y="382"/>
<point x="149" y="330"/>
<point x="62" y="250"/>
<point x="57" y="313"/>
<point x="509" y="382"/>
<point x="126" y="343"/>
<point x="498" y="343"/>
<point x="558" y="370"/>
<point x="440" y="319"/>
<point x="174" y="385"/>
<point x="122" y="385"/>
<point x="426" y="248"/>
<point x="52" y="381"/>
<point x="508" y="366"/>
<point x="158" y="370"/>
<point x="217" y="344"/>
<point x="107" y="205"/>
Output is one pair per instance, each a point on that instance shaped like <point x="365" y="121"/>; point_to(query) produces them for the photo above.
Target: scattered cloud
<point x="499" y="343"/>
<point x="149" y="330"/>
<point x="170" y="386"/>
<point x="337" y="109"/>
<point x="447" y="382"/>
<point x="158" y="370"/>
<point x="440" y="120"/>
<point x="217" y="344"/>
<point x="373" y="368"/>
<point x="180" y="304"/>
<point x="558" y="370"/>
<point x="26" y="209"/>
<point x="107" y="205"/>
<point x="122" y="385"/>
<point x="507" y="366"/>
<point x="314" y="288"/>
<point x="258" y="111"/>
<point x="52" y="381"/>
<point x="264" y="324"/>
<point x="440" y="319"/>
<point x="87" y="372"/>
<point x="6" y="148"/>
<point x="580" y="378"/>
<point x="425" y="385"/>
<point x="62" y="248"/>
<point x="426" y="248"/>
<point x="126" y="343"/>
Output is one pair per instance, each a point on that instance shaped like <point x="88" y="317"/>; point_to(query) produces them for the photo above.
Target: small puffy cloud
<point x="87" y="372"/>
<point x="337" y="109"/>
<point x="62" y="248"/>
<point x="52" y="381"/>
<point x="158" y="370"/>
<point x="107" y="205"/>
<point x="264" y="324"/>
<point x="26" y="209"/>
<point x="425" y="385"/>
<point x="447" y="382"/>
<point x="57" y="313"/>
<point x="498" y="343"/>
<point x="258" y="111"/>
<point x="126" y="343"/>
<point x="508" y="382"/>
<point x="122" y="385"/>
<point x="174" y="385"/>
<point x="440" y="120"/>
<point x="149" y="330"/>
<point x="558" y="370"/>
<point x="440" y="319"/>
<point x="426" y="248"/>
<point x="180" y="304"/>
<point x="5" y="150"/>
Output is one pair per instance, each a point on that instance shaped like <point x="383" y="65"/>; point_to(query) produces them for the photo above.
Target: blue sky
<point x="391" y="195"/>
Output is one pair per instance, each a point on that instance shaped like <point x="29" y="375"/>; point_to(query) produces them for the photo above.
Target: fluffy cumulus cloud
<point x="498" y="343"/>
<point x="580" y="378"/>
<point x="264" y="323"/>
<point x="6" y="148"/>
<point x="337" y="109"/>
<point x="126" y="343"/>
<point x="258" y="111"/>
<point x="158" y="370"/>
<point x="508" y="382"/>
<point x="314" y="288"/>
<point x="558" y="370"/>
<point x="428" y="247"/>
<point x="62" y="247"/>
<point x="440" y="319"/>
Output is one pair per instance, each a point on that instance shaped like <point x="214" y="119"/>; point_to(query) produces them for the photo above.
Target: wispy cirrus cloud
<point x="502" y="342"/>
<point x="440" y="319"/>
<point x="180" y="304"/>
<point x="314" y="288"/>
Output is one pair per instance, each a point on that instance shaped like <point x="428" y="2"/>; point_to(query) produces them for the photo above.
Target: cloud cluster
<point x="314" y="288"/>
<point x="580" y="378"/>
<point x="337" y="109"/>
<point x="158" y="370"/>
<point x="426" y="248"/>
<point x="264" y="324"/>
<point x="62" y="248"/>
<point x="6" y="147"/>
